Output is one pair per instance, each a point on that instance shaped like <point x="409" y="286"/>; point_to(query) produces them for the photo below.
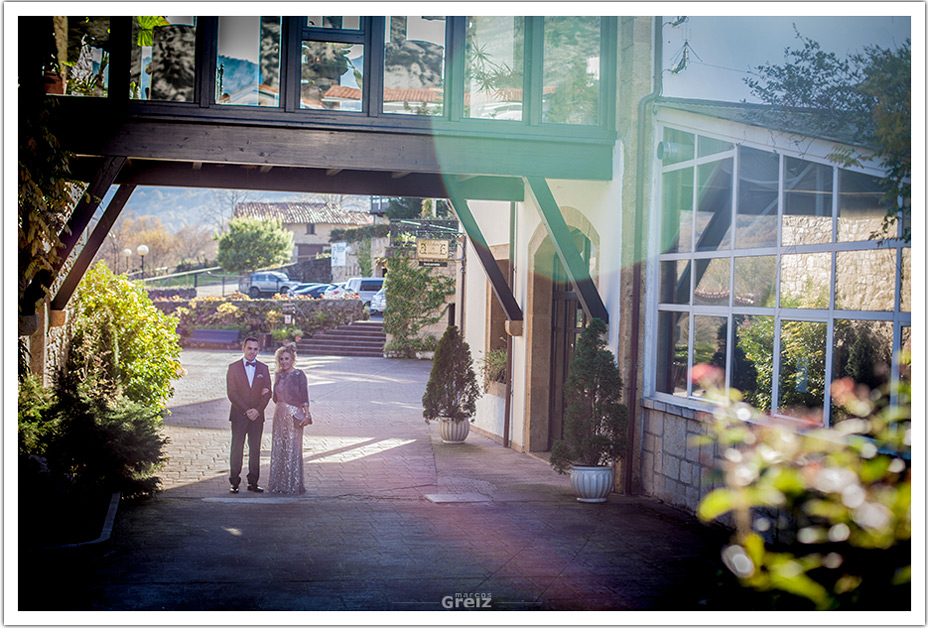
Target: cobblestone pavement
<point x="392" y="519"/>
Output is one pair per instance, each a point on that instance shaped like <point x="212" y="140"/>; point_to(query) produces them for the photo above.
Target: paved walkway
<point x="393" y="519"/>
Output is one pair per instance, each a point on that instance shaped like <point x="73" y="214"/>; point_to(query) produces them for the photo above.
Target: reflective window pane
<point x="712" y="281"/>
<point x="710" y="337"/>
<point x="860" y="206"/>
<point x="863" y="353"/>
<point x="163" y="58"/>
<point x="677" y="222"/>
<point x="677" y="146"/>
<point x="758" y="181"/>
<point x="332" y="76"/>
<point x="80" y="65"/>
<point x="905" y="299"/>
<point x="752" y="359"/>
<point x="755" y="281"/>
<point x="248" y="61"/>
<point x="713" y="217"/>
<point x="801" y="391"/>
<point x="570" y="92"/>
<point x="866" y="280"/>
<point x="338" y="21"/>
<point x="807" y="210"/>
<point x="672" y="341"/>
<point x="414" y="65"/>
<point x="494" y="47"/>
<point x="675" y="282"/>
<point x="805" y="280"/>
<point x="710" y="146"/>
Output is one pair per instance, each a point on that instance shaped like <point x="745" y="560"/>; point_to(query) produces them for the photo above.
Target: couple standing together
<point x="248" y="386"/>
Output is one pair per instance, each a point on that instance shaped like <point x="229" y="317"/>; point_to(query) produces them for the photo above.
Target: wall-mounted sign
<point x="338" y="253"/>
<point x="432" y="249"/>
<point x="433" y="263"/>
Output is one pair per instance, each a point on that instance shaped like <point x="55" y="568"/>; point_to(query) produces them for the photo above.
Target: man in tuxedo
<point x="248" y="386"/>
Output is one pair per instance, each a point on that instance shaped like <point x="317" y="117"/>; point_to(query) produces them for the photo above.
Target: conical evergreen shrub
<point x="452" y="390"/>
<point x="595" y="420"/>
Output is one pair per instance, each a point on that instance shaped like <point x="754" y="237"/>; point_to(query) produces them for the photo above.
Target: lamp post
<point x="142" y="250"/>
<point x="128" y="253"/>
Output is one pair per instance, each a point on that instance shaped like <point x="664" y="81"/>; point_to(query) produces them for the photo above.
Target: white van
<point x="365" y="287"/>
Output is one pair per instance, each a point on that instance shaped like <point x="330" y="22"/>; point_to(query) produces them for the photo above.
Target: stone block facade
<point x="673" y="469"/>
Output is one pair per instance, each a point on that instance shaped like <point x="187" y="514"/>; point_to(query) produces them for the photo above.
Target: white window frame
<point x="897" y="317"/>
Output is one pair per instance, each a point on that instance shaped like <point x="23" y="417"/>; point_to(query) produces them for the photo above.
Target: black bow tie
<point x="251" y="363"/>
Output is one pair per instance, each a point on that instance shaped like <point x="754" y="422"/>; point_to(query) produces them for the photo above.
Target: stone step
<point x="372" y="346"/>
<point x="344" y="351"/>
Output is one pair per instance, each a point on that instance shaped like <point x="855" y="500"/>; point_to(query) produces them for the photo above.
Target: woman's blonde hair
<point x="287" y="348"/>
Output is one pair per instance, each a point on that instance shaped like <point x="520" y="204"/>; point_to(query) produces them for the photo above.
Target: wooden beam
<point x="265" y="169"/>
<point x="494" y="274"/>
<point x="82" y="263"/>
<point x="197" y="165"/>
<point x="331" y="172"/>
<point x="399" y="175"/>
<point x="179" y="174"/>
<point x="218" y="141"/>
<point x="80" y="217"/>
<point x="559" y="233"/>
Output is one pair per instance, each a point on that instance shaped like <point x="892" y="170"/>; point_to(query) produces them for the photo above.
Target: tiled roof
<point x="807" y="122"/>
<point x="300" y="213"/>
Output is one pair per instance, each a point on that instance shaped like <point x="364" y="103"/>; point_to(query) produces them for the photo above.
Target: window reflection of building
<point x="783" y="316"/>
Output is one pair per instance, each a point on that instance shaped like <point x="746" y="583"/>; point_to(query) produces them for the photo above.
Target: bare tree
<point x="220" y="209"/>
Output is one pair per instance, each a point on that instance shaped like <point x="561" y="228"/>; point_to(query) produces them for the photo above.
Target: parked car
<point x="305" y="288"/>
<point x="379" y="301"/>
<point x="335" y="291"/>
<point x="365" y="287"/>
<point x="266" y="282"/>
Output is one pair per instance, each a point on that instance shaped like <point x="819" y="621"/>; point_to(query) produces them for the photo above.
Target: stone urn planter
<point x="591" y="484"/>
<point x="453" y="432"/>
<point x="451" y="393"/>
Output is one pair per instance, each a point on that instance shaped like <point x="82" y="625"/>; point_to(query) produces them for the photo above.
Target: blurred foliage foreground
<point x="822" y="517"/>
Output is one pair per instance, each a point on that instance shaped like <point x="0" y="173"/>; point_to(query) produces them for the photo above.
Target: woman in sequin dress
<point x="291" y="396"/>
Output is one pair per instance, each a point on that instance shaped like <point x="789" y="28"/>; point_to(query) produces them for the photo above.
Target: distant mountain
<point x="237" y="74"/>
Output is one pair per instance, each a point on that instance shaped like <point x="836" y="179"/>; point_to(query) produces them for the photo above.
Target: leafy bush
<point x="821" y="518"/>
<point x="114" y="327"/>
<point x="494" y="366"/>
<point x="595" y="422"/>
<point x="252" y="243"/>
<point x="451" y="391"/>
<point x="417" y="300"/>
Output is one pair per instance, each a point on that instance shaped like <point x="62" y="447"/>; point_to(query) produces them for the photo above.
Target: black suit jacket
<point x="244" y="396"/>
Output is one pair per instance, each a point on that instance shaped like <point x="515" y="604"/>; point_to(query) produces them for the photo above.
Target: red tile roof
<point x="300" y="213"/>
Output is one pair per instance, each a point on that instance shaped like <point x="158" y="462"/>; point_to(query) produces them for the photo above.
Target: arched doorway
<point x="553" y="321"/>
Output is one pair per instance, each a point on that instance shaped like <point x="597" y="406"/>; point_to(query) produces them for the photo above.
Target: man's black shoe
<point x="254" y="488"/>
<point x="233" y="489"/>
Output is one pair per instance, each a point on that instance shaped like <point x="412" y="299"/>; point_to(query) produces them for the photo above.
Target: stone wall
<point x="673" y="470"/>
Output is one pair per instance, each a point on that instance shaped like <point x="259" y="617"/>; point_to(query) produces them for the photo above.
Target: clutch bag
<point x="298" y="418"/>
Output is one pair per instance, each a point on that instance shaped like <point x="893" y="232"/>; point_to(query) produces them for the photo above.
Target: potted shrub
<point x="451" y="393"/>
<point x="595" y="422"/>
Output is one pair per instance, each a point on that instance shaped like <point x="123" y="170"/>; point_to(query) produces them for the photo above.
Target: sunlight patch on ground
<point x="348" y="451"/>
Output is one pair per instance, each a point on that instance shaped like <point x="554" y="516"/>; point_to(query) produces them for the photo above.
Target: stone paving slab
<point x="366" y="535"/>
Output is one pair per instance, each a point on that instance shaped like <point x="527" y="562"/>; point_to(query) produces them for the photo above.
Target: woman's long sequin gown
<point x="290" y="392"/>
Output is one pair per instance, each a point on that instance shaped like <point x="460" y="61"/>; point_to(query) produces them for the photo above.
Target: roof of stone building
<point x="812" y="123"/>
<point x="299" y="213"/>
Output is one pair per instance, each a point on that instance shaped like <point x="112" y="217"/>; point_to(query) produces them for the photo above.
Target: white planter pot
<point x="591" y="484"/>
<point x="453" y="432"/>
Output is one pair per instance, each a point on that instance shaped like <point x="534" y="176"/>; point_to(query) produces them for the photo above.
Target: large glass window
<point x="80" y="64"/>
<point x="414" y="65"/>
<point x="780" y="318"/>
<point x="494" y="49"/>
<point x="248" y="61"/>
<point x="570" y="92"/>
<point x="163" y="58"/>
<point x="331" y="75"/>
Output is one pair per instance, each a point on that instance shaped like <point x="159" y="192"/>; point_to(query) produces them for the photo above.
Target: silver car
<point x="379" y="301"/>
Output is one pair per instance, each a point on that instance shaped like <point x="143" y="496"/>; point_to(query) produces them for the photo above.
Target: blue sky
<point x="730" y="47"/>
